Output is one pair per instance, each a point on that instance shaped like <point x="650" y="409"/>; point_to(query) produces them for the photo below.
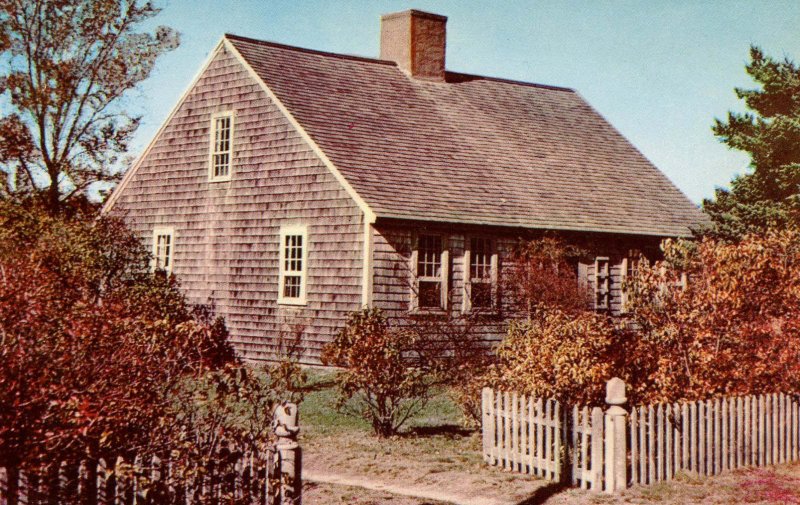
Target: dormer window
<point x="221" y="160"/>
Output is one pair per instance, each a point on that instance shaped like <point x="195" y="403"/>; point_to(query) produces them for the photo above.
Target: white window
<point x="602" y="284"/>
<point x="293" y="266"/>
<point x="163" y="249"/>
<point x="221" y="159"/>
<point x="480" y="274"/>
<point x="430" y="262"/>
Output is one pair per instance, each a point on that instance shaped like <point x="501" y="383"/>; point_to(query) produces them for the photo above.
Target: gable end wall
<point x="227" y="233"/>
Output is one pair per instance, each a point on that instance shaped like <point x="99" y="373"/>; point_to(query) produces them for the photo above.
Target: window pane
<point x="430" y="294"/>
<point x="429" y="256"/>
<point x="291" y="286"/>
<point x="480" y="262"/>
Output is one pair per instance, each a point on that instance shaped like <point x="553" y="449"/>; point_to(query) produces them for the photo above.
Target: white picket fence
<point x="522" y="434"/>
<point x="588" y="448"/>
<point x="611" y="449"/>
<point x="710" y="437"/>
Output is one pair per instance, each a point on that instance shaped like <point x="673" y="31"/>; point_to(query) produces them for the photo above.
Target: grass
<point x="434" y="453"/>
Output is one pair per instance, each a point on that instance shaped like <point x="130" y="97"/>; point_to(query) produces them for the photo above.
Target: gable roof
<point x="472" y="149"/>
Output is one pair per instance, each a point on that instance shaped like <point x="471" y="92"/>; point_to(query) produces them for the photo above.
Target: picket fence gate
<point x="609" y="450"/>
<point x="269" y="477"/>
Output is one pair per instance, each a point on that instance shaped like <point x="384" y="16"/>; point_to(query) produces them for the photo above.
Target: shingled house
<point x="289" y="187"/>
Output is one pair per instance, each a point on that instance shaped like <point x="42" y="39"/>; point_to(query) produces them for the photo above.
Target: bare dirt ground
<point x="771" y="486"/>
<point x="443" y="468"/>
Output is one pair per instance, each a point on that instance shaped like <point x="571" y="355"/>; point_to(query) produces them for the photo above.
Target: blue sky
<point x="659" y="71"/>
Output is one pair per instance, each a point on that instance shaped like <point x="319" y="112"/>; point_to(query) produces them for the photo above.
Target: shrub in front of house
<point x="720" y="318"/>
<point x="382" y="378"/>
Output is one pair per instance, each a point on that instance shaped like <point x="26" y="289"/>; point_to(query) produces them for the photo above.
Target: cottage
<point x="289" y="187"/>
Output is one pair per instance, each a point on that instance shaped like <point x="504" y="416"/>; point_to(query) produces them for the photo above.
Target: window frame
<point x="288" y="231"/>
<point x="160" y="231"/>
<point x="212" y="177"/>
<point x="607" y="282"/>
<point x="443" y="278"/>
<point x="493" y="279"/>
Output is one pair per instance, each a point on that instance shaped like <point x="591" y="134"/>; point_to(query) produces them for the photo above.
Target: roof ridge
<point x="458" y="75"/>
<point x="310" y="51"/>
<point x="465" y="77"/>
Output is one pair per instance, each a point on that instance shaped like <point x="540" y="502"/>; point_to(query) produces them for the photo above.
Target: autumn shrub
<point x="560" y="355"/>
<point x="542" y="275"/>
<point x="382" y="378"/>
<point x="453" y="348"/>
<point x="733" y="326"/>
<point x="93" y="343"/>
<point x="215" y="420"/>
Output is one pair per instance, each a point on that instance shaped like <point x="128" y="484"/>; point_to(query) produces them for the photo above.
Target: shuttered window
<point x="602" y="284"/>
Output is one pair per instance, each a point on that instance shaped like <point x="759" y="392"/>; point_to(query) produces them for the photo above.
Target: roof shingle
<point x="472" y="149"/>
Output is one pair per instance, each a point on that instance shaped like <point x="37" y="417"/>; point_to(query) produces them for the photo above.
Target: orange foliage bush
<point x="734" y="328"/>
<point x="559" y="355"/>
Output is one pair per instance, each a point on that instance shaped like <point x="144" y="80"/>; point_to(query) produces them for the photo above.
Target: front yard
<point x="437" y="461"/>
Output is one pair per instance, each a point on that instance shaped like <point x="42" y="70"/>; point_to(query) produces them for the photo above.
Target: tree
<point x="67" y="64"/>
<point x="732" y="329"/>
<point x="769" y="132"/>
<point x="93" y="343"/>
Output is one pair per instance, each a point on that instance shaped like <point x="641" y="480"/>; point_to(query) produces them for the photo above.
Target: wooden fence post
<point x="616" y="450"/>
<point x="286" y="428"/>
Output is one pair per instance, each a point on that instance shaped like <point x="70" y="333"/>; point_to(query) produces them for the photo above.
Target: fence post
<point x="616" y="450"/>
<point x="286" y="429"/>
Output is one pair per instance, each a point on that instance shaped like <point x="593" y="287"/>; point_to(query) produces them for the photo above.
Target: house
<point x="289" y="187"/>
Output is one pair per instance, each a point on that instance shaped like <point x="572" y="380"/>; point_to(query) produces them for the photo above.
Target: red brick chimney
<point x="416" y="41"/>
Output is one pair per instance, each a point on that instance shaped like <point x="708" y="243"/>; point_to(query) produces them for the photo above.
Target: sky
<point x="659" y="71"/>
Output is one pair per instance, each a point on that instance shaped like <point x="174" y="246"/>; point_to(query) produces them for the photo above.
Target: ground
<point x="437" y="460"/>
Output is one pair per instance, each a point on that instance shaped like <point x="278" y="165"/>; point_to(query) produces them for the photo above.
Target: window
<point x="630" y="269"/>
<point x="163" y="249"/>
<point x="293" y="265"/>
<point x="431" y="260"/>
<point x="602" y="284"/>
<point x="221" y="147"/>
<point x="480" y="266"/>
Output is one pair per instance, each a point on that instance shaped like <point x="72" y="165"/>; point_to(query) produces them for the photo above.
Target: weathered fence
<point x="709" y="437"/>
<point x="269" y="477"/>
<point x="522" y="434"/>
<point x="612" y="449"/>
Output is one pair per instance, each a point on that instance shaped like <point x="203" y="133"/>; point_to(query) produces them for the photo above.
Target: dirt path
<point x="423" y="492"/>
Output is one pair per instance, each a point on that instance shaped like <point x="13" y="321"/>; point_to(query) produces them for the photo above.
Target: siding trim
<point x="368" y="212"/>
<point x="368" y="268"/>
<point x="131" y="171"/>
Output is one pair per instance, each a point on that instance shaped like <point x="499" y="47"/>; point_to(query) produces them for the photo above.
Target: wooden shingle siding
<point x="227" y="246"/>
<point x="393" y="270"/>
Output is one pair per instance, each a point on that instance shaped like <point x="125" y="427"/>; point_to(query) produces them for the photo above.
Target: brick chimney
<point x="416" y="41"/>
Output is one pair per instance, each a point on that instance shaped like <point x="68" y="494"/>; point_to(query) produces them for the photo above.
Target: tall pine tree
<point x="769" y="195"/>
